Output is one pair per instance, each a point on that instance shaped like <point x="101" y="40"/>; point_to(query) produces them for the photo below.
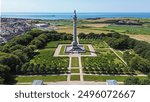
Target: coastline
<point x="67" y="16"/>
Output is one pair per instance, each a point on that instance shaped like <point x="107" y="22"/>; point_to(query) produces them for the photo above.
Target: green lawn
<point x="44" y="78"/>
<point x="54" y="44"/>
<point x="104" y="78"/>
<point x="75" y="70"/>
<point x="62" y="51"/>
<point x="75" y="77"/>
<point x="75" y="62"/>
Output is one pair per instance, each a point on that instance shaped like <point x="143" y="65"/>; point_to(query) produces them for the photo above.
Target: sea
<point x="57" y="16"/>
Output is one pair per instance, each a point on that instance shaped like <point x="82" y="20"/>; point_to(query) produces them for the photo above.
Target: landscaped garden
<point x="134" y="52"/>
<point x="105" y="62"/>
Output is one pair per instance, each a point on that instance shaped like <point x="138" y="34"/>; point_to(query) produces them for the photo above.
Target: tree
<point x="138" y="63"/>
<point x="11" y="61"/>
<point x="4" y="73"/>
<point x="145" y="82"/>
<point x="24" y="68"/>
<point x="22" y="56"/>
<point x="42" y="69"/>
<point x="35" y="69"/>
<point x="132" y="81"/>
<point x="1" y="80"/>
<point x="148" y="75"/>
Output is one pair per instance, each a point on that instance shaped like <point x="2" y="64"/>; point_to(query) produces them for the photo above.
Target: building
<point x="38" y="82"/>
<point x="111" y="82"/>
<point x="41" y="25"/>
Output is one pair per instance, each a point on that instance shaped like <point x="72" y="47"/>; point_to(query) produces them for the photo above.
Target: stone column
<point x="75" y="43"/>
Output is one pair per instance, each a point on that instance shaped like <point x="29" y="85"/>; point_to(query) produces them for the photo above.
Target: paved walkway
<point x="57" y="51"/>
<point x="118" y="56"/>
<point x="92" y="50"/>
<point x="93" y="54"/>
<point x="69" y="70"/>
<point x="80" y="68"/>
<point x="70" y="67"/>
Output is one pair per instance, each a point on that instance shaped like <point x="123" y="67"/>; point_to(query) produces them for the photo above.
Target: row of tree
<point x="136" y="62"/>
<point x="21" y="49"/>
<point x="32" y="69"/>
<point x="104" y="64"/>
<point x="137" y="81"/>
<point x="123" y="42"/>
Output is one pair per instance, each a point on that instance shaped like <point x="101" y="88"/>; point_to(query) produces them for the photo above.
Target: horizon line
<point x="72" y="12"/>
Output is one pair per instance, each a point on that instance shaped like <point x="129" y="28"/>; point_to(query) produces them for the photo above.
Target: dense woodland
<point x="16" y="54"/>
<point x="137" y="81"/>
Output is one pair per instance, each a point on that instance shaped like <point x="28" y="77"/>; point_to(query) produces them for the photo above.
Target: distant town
<point x="11" y="27"/>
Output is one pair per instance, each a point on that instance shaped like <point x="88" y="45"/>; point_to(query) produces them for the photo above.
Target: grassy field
<point x="130" y="29"/>
<point x="20" y="79"/>
<point x="75" y="77"/>
<point x="62" y="51"/>
<point x="75" y="70"/>
<point x="104" y="26"/>
<point x="54" y="44"/>
<point x="141" y="37"/>
<point x="104" y="78"/>
<point x="75" y="62"/>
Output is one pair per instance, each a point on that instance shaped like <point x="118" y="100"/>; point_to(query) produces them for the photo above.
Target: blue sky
<point x="79" y="5"/>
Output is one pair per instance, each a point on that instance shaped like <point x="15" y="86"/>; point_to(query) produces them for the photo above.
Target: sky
<point x="79" y="5"/>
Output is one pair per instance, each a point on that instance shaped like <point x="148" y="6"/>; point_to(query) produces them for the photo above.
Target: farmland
<point x="106" y="25"/>
<point x="130" y="29"/>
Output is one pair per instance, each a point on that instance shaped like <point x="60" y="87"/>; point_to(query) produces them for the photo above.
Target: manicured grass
<point x="62" y="51"/>
<point x="75" y="77"/>
<point x="75" y="62"/>
<point x="74" y="70"/>
<point x="54" y="44"/>
<point x="104" y="78"/>
<point x="21" y="79"/>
